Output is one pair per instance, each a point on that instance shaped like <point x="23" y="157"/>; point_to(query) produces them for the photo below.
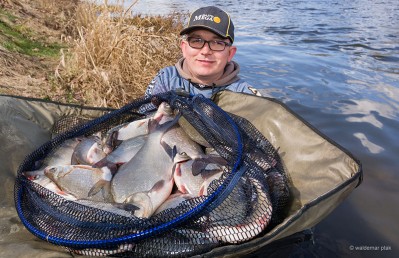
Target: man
<point x="206" y="66"/>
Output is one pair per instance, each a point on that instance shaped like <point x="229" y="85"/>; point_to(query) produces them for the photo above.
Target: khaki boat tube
<point x="321" y="173"/>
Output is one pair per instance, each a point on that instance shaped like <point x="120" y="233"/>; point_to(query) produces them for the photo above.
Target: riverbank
<point x="30" y="36"/>
<point x="74" y="52"/>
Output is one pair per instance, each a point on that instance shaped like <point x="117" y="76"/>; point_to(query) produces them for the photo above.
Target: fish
<point x="193" y="133"/>
<point x="208" y="179"/>
<point x="187" y="182"/>
<point x="122" y="248"/>
<point x="81" y="181"/>
<point x="122" y="154"/>
<point x="176" y="137"/>
<point x="137" y="128"/>
<point x="146" y="180"/>
<point x="45" y="182"/>
<point x="88" y="151"/>
<point x="60" y="156"/>
<point x="63" y="154"/>
<point x="256" y="221"/>
<point x="279" y="195"/>
<point x="121" y="209"/>
<point x="207" y="163"/>
<point x="184" y="179"/>
<point x="124" y="132"/>
<point x="173" y="201"/>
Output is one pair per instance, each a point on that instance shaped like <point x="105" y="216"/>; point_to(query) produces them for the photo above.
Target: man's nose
<point x="206" y="49"/>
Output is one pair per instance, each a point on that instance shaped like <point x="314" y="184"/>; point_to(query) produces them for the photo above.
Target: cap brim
<point x="195" y="27"/>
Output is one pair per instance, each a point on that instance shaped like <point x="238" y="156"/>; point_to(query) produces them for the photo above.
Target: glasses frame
<point x="226" y="44"/>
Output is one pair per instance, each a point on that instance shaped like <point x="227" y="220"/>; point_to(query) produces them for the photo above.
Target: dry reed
<point x="115" y="54"/>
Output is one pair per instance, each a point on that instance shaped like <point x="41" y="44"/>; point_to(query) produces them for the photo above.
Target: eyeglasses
<point x="215" y="45"/>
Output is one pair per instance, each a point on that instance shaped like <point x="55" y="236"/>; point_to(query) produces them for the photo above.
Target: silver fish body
<point x="63" y="154"/>
<point x="88" y="151"/>
<point x="122" y="154"/>
<point x="133" y="129"/>
<point x="80" y="180"/>
<point x="47" y="183"/>
<point x="184" y="179"/>
<point x="187" y="182"/>
<point x="256" y="219"/>
<point x="192" y="132"/>
<point x="146" y="180"/>
<point x="60" y="156"/>
<point x="173" y="201"/>
<point x="137" y="128"/>
<point x="175" y="136"/>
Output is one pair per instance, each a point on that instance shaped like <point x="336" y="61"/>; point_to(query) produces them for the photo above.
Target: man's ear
<point x="183" y="46"/>
<point x="232" y="52"/>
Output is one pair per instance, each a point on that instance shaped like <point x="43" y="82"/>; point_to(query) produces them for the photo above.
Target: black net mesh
<point x="248" y="199"/>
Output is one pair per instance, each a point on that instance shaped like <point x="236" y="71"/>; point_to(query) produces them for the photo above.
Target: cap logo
<point x="206" y="17"/>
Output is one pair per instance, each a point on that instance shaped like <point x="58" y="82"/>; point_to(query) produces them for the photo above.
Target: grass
<point x="17" y="39"/>
<point x="115" y="55"/>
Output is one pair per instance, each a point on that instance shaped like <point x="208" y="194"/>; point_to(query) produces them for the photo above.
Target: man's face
<point x="205" y="64"/>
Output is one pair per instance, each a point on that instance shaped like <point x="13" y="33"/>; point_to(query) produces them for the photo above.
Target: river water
<point x="336" y="64"/>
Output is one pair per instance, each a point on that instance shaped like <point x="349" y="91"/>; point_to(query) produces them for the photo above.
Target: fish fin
<point x="152" y="124"/>
<point x="113" y="167"/>
<point x="174" y="152"/>
<point x="101" y="163"/>
<point x="74" y="159"/>
<point x="106" y="191"/>
<point x="126" y="206"/>
<point x="170" y="151"/>
<point x="97" y="187"/>
<point x="158" y="185"/>
<point x="198" y="166"/>
<point x="177" y="170"/>
<point x="216" y="159"/>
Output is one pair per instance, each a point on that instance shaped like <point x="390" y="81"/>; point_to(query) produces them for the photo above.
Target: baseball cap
<point x="211" y="18"/>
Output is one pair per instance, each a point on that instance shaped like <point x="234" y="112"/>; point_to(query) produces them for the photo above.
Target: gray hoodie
<point x="178" y="77"/>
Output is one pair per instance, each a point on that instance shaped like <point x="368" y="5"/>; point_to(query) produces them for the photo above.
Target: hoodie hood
<point x="229" y="76"/>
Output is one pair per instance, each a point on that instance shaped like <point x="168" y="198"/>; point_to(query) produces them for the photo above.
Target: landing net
<point x="247" y="200"/>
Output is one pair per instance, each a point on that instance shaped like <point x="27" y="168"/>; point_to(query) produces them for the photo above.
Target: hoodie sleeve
<point x="149" y="107"/>
<point x="157" y="85"/>
<point x="243" y="86"/>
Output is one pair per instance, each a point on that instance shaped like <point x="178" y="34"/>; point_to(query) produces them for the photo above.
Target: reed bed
<point x="114" y="54"/>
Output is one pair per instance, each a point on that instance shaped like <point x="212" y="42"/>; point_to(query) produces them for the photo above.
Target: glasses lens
<point x="215" y="45"/>
<point x="196" y="42"/>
